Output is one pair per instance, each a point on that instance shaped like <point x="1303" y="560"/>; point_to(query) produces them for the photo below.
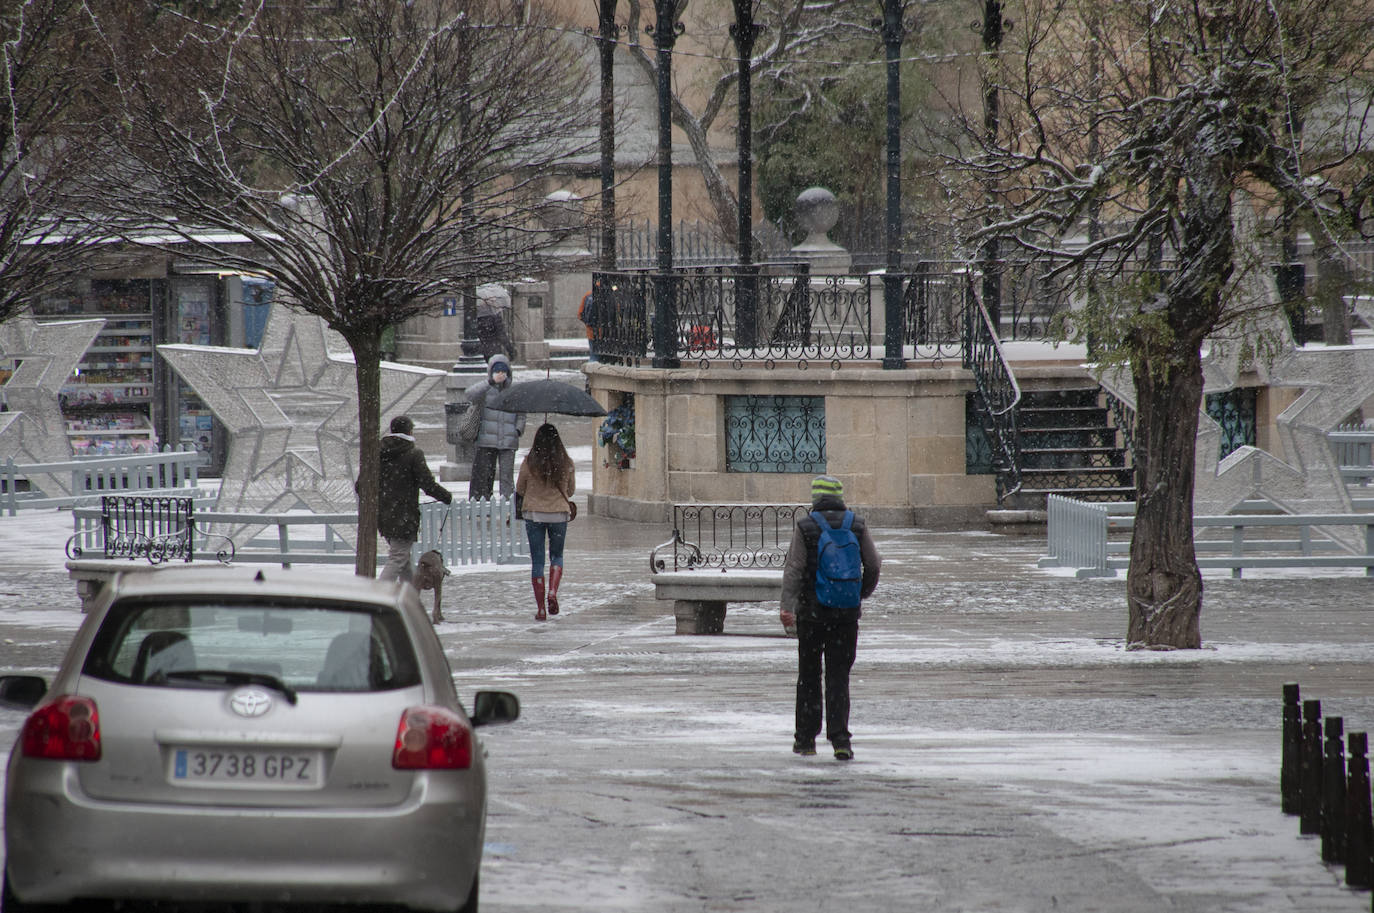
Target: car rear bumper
<point x="423" y="853"/>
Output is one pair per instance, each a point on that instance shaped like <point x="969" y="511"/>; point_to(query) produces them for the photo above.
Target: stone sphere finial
<point x="562" y="210"/>
<point x="817" y="210"/>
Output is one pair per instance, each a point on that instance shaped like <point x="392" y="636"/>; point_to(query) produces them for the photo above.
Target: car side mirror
<point x="22" y="692"/>
<point x="494" y="707"/>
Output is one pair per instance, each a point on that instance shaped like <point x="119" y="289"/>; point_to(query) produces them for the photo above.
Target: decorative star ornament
<point x="1335" y="381"/>
<point x="290" y="408"/>
<point x="42" y="357"/>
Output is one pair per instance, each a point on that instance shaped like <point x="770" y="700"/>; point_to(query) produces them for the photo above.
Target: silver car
<point x="230" y="734"/>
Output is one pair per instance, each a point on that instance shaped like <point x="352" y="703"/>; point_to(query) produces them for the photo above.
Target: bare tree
<point x="1159" y="118"/>
<point x="46" y="141"/>
<point x="377" y="154"/>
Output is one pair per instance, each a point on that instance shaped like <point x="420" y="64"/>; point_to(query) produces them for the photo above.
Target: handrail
<point x="768" y="315"/>
<point x="1124" y="416"/>
<point x="998" y="393"/>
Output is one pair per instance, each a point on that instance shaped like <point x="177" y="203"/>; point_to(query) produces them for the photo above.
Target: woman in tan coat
<point x="545" y="485"/>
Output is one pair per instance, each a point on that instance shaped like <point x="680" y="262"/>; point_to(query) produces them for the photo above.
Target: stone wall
<point x="895" y="438"/>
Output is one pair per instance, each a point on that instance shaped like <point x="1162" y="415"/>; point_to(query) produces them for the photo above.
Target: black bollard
<point x="1310" y="810"/>
<point x="1333" y="793"/>
<point x="1290" y="783"/>
<point x="1359" y="822"/>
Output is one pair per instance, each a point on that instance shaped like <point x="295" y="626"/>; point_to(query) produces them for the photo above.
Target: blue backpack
<point x="839" y="565"/>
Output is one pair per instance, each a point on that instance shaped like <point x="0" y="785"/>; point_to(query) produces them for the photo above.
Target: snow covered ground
<point x="1012" y="755"/>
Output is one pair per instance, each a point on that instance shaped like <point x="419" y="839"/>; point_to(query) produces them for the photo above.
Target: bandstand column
<point x="665" y="32"/>
<point x="894" y="31"/>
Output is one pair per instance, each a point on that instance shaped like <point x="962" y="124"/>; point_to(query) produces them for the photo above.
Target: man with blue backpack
<point x="832" y="566"/>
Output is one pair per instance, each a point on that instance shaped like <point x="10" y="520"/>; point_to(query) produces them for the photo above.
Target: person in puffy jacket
<point x="403" y="473"/>
<point x="499" y="435"/>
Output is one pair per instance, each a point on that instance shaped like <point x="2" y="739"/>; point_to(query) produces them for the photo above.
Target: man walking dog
<point x="401" y="476"/>
<point x="828" y="573"/>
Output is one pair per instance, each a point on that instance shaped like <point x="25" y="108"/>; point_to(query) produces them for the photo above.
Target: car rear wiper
<point x="230" y="677"/>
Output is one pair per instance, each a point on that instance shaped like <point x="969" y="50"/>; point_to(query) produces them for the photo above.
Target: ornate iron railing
<point x="158" y="529"/>
<point x="772" y="314"/>
<point x="725" y="536"/>
<point x="933" y="311"/>
<point x="1124" y="416"/>
<point x="996" y="393"/>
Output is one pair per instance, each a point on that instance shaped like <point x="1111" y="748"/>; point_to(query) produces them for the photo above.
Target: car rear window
<point x="303" y="645"/>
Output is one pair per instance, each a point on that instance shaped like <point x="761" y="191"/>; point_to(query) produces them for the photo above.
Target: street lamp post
<point x="893" y="31"/>
<point x="607" y="33"/>
<point x="992" y="28"/>
<point x="470" y="347"/>
<point x="665" y="33"/>
<point x="744" y="32"/>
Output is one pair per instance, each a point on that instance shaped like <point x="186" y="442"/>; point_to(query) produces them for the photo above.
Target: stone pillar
<point x="529" y="301"/>
<point x="570" y="261"/>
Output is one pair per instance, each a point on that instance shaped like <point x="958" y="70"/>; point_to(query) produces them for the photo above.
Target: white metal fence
<point x="1354" y="448"/>
<point x="1080" y="537"/>
<point x="171" y="472"/>
<point x="466" y="532"/>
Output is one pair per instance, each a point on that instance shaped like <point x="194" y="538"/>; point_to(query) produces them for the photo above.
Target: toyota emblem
<point x="250" y="702"/>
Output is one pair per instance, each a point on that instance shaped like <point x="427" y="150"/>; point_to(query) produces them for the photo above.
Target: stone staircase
<point x="1070" y="447"/>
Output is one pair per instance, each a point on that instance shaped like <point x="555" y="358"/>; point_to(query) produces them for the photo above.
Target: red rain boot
<point x="555" y="578"/>
<point x="538" y="584"/>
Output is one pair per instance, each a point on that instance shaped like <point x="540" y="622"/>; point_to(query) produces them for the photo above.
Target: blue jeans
<point x="535" y="532"/>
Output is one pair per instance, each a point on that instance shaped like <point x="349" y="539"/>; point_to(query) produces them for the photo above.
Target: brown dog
<point x="429" y="575"/>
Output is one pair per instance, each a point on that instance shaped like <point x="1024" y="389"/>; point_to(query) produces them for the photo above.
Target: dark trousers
<point x="487" y="463"/>
<point x="833" y="645"/>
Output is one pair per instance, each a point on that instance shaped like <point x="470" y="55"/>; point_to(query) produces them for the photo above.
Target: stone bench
<point x="721" y="553"/>
<point x="699" y="597"/>
<point x="159" y="529"/>
<point x="91" y="575"/>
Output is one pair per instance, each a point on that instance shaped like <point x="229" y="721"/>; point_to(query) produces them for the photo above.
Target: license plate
<point x="247" y="767"/>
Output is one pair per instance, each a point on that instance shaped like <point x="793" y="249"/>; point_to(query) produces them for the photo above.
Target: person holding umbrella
<point x="543" y="492"/>
<point x="547" y="480"/>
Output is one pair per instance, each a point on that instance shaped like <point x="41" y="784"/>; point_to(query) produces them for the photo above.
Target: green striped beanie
<point x="823" y="486"/>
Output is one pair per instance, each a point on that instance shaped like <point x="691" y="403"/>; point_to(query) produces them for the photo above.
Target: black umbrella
<point x="547" y="396"/>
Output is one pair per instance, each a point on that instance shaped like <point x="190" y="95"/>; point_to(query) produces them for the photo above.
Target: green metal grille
<point x="775" y="434"/>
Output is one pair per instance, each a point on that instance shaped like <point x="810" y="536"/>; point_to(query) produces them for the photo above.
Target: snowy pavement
<point x="1011" y="754"/>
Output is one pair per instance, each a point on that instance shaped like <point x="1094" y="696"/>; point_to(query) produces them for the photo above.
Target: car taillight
<point x="432" y="738"/>
<point x="67" y="728"/>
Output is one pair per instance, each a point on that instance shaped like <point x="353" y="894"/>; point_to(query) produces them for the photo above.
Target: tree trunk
<point x="697" y="132"/>
<point x="1164" y="585"/>
<point x="723" y="201"/>
<point x="367" y="359"/>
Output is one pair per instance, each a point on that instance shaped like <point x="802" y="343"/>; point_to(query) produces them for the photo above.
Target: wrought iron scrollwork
<point x="728" y="537"/>
<point x="774" y="433"/>
<point x="155" y="529"/>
